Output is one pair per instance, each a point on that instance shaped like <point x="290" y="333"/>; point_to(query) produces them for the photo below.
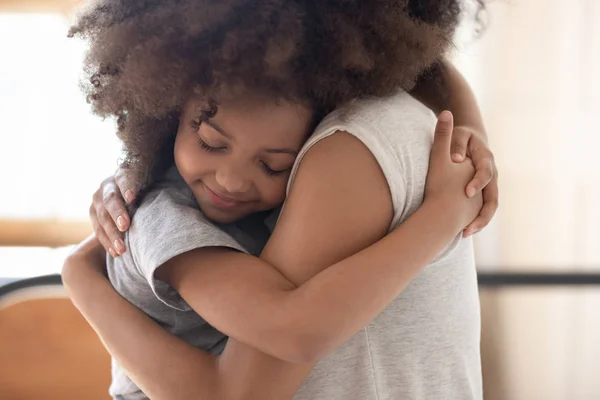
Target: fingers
<point x="100" y="234"/>
<point x="460" y="140"/>
<point x="443" y="134"/>
<point x="109" y="217"/>
<point x="483" y="160"/>
<point x="113" y="204"/>
<point x="110" y="228"/>
<point x="125" y="188"/>
<point x="112" y="215"/>
<point x="490" y="206"/>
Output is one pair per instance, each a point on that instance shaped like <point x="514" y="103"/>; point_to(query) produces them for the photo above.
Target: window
<point x="53" y="151"/>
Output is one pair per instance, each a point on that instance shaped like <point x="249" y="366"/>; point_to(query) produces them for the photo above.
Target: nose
<point x="232" y="179"/>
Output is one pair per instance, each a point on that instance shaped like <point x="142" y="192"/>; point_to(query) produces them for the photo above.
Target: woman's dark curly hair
<point x="146" y="57"/>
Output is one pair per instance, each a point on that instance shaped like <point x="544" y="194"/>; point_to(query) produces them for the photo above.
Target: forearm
<point x="303" y="324"/>
<point x="345" y="297"/>
<point x="154" y="359"/>
<point x="444" y="88"/>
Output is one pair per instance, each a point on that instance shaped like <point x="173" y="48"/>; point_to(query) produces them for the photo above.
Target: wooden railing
<point x="42" y="233"/>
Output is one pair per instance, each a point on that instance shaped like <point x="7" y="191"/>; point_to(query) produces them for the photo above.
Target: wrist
<point x="446" y="219"/>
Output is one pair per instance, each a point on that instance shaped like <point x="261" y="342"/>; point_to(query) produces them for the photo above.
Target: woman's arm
<point x="444" y="88"/>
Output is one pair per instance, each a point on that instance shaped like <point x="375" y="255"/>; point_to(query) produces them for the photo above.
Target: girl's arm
<point x="162" y="365"/>
<point x="249" y="300"/>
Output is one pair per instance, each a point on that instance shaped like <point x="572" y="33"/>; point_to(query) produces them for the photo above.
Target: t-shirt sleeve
<point x="165" y="226"/>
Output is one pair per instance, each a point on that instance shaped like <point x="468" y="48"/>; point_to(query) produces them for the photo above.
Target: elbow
<point x="69" y="268"/>
<point x="302" y="348"/>
<point x="75" y="267"/>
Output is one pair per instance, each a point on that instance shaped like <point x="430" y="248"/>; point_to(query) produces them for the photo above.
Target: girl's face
<point x="238" y="162"/>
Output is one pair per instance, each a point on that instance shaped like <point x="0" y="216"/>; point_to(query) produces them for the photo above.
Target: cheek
<point x="273" y="193"/>
<point x="188" y="158"/>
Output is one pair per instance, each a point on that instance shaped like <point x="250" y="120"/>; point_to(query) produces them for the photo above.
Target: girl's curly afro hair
<point x="146" y="57"/>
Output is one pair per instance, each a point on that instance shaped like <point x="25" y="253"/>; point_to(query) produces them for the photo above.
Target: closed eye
<point x="208" y="148"/>
<point x="271" y="171"/>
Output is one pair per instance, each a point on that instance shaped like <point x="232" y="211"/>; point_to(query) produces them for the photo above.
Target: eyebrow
<point x="228" y="136"/>
<point x="218" y="129"/>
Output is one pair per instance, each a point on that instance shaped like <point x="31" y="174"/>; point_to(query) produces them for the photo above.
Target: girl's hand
<point x="466" y="142"/>
<point x="446" y="180"/>
<point x="108" y="213"/>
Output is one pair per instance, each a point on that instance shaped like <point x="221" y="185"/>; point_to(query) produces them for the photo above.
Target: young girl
<point x="266" y="310"/>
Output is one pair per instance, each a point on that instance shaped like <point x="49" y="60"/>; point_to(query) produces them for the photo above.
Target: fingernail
<point x="112" y="253"/>
<point x="445" y="116"/>
<point x="470" y="191"/>
<point x="120" y="246"/>
<point x="129" y="196"/>
<point x="457" y="157"/>
<point x="121" y="223"/>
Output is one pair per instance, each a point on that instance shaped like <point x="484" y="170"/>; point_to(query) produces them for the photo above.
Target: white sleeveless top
<point x="425" y="344"/>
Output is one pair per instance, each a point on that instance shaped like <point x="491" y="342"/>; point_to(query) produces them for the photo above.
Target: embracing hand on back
<point x="108" y="213"/>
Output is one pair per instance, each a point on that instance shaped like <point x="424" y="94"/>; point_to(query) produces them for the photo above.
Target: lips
<point x="222" y="201"/>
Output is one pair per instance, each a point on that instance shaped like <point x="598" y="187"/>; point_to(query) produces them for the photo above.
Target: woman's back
<point x="425" y="345"/>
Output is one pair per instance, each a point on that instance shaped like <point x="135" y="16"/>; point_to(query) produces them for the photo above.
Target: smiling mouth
<point x="222" y="201"/>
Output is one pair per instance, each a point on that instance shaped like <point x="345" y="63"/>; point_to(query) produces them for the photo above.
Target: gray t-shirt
<point x="425" y="344"/>
<point x="169" y="223"/>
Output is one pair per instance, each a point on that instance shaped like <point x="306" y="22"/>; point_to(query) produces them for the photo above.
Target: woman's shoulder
<point x="396" y="130"/>
<point x="388" y="126"/>
<point x="382" y="113"/>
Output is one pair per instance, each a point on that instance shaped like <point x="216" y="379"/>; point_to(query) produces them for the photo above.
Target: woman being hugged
<point x="215" y="102"/>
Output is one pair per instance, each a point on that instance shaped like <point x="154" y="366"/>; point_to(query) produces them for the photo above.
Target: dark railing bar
<point x="486" y="280"/>
<point x="17" y="284"/>
<point x="496" y="279"/>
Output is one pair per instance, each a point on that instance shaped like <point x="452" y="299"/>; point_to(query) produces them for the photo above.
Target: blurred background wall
<point x="536" y="75"/>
